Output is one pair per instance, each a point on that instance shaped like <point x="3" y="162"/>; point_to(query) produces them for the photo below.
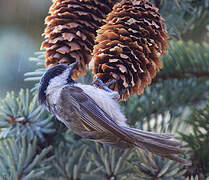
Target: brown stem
<point x="186" y="75"/>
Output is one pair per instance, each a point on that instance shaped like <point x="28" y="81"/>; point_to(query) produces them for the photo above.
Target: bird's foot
<point x="102" y="85"/>
<point x="114" y="95"/>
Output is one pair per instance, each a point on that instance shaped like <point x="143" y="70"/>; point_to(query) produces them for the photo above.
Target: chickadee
<point x="95" y="114"/>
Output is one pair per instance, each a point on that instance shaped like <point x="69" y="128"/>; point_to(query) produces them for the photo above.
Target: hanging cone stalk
<point x="71" y="30"/>
<point x="128" y="47"/>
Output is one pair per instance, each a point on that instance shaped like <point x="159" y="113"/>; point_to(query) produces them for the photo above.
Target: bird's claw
<point x="110" y="82"/>
<point x="115" y="95"/>
<point x="102" y="85"/>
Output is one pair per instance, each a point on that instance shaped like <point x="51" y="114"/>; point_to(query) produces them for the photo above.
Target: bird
<point x="95" y="114"/>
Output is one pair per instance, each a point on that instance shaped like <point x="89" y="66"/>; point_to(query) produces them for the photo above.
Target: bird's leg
<point x="113" y="94"/>
<point x="110" y="82"/>
<point x="102" y="85"/>
<point x="120" y="92"/>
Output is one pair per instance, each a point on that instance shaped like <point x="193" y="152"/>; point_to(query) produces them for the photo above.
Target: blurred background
<point x="21" y="26"/>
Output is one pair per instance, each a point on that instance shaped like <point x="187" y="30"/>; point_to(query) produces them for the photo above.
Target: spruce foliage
<point x="34" y="145"/>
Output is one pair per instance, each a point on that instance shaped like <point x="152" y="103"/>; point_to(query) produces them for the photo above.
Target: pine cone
<point x="71" y="30"/>
<point x="129" y="47"/>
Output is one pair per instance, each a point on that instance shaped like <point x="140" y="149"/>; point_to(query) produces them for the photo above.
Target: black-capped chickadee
<point x="95" y="114"/>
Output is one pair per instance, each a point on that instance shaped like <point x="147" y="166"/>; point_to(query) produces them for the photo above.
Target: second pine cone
<point x="128" y="47"/>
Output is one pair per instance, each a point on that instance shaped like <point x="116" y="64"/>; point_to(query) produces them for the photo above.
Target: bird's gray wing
<point x="92" y="115"/>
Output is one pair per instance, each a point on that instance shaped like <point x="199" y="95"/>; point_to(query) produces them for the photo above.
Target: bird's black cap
<point x="50" y="74"/>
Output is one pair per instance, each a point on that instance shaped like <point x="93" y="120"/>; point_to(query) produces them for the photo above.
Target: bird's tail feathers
<point x="159" y="135"/>
<point x="157" y="143"/>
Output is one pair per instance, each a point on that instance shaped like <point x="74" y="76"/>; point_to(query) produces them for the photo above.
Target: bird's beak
<point x="72" y="67"/>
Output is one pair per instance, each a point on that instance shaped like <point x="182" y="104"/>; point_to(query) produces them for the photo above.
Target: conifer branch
<point x="185" y="60"/>
<point x="70" y="162"/>
<point x="197" y="142"/>
<point x="161" y="103"/>
<point x="148" y="166"/>
<point x="20" y="116"/>
<point x="20" y="159"/>
<point x="109" y="162"/>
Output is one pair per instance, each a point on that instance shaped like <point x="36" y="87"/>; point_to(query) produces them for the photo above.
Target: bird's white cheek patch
<point x="57" y="82"/>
